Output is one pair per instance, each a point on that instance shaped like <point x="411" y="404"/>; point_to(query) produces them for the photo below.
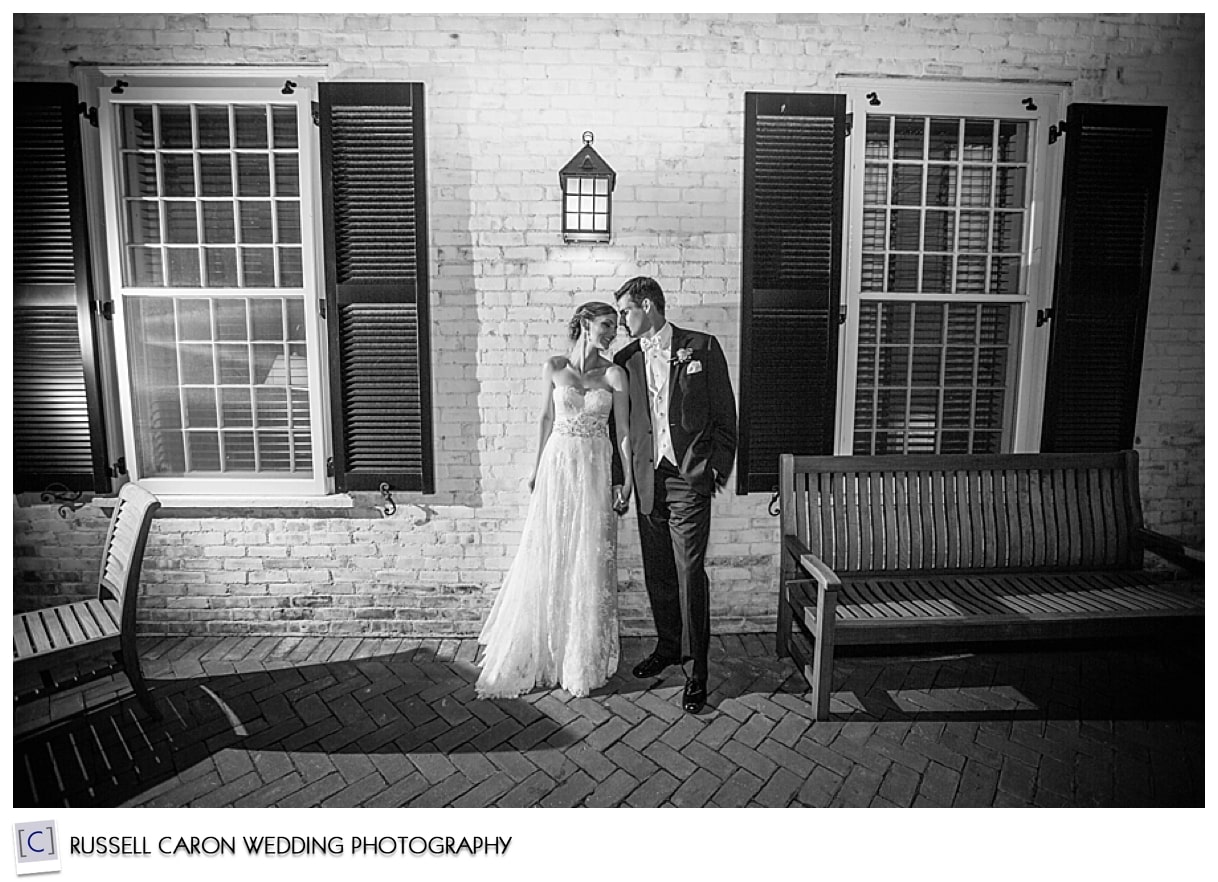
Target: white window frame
<point x="958" y="99"/>
<point x="228" y="85"/>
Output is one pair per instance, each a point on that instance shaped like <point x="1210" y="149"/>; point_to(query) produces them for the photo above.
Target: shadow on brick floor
<point x="305" y="721"/>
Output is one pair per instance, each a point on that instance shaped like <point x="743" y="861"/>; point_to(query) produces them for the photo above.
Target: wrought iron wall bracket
<point x="390" y="507"/>
<point x="69" y="500"/>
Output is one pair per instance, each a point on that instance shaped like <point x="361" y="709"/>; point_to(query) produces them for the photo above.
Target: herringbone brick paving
<point x="307" y="721"/>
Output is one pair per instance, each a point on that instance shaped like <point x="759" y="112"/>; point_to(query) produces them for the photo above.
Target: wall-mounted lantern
<point x="587" y="196"/>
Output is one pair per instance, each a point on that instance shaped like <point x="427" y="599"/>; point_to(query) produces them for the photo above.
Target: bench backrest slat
<point x="123" y="553"/>
<point x="1016" y="511"/>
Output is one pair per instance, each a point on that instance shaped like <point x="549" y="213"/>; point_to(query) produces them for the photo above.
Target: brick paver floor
<point x="304" y="721"/>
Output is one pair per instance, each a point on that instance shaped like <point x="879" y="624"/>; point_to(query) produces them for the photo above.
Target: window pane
<point x="284" y="127"/>
<point x="907" y="185"/>
<point x="139" y="174"/>
<point x="198" y="410"/>
<point x="221" y="267"/>
<point x="253" y="175"/>
<point x="213" y="126"/>
<point x="251" y="126"/>
<point x="940" y="231"/>
<point x="177" y="174"/>
<point x="944" y="139"/>
<point x="218" y="226"/>
<point x="287" y="176"/>
<point x="1010" y="189"/>
<point x="256" y="222"/>
<point x="291" y="268"/>
<point x="1012" y="141"/>
<point x="143" y="222"/>
<point x="288" y="216"/>
<point x="941" y="185"/>
<point x="258" y="266"/>
<point x="181" y="225"/>
<point x="979" y="140"/>
<point x="216" y="174"/>
<point x="908" y="136"/>
<point x="183" y="267"/>
<point x="176" y="126"/>
<point x="136" y="130"/>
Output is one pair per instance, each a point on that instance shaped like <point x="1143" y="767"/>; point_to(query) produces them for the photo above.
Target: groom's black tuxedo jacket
<point x="701" y="415"/>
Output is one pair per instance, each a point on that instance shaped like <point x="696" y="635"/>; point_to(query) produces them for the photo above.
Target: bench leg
<point x="784" y="620"/>
<point x="822" y="652"/>
<point x="131" y="665"/>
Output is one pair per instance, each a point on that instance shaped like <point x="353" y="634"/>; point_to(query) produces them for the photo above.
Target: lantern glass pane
<point x="602" y="204"/>
<point x="586" y="185"/>
<point x="585" y="203"/>
<point x="600" y="222"/>
<point x="602" y="186"/>
<point x="585" y="221"/>
<point x="572" y="203"/>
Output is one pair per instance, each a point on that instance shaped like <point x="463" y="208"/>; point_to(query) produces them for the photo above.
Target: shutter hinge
<point x="329" y="467"/>
<point x="106" y="310"/>
<point x="849" y="124"/>
<point x="89" y="113"/>
<point x="316" y="108"/>
<point x="841" y="315"/>
<point x="1057" y="131"/>
<point x="1043" y="316"/>
<point x="321" y="308"/>
<point x="118" y="468"/>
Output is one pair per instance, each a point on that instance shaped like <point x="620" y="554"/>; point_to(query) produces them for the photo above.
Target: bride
<point x="554" y="621"/>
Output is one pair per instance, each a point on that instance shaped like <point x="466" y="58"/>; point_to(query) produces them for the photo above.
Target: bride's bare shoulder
<point x="555" y="363"/>
<point x="615" y="376"/>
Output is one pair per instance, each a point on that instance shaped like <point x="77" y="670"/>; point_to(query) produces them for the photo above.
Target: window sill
<point x="333" y="501"/>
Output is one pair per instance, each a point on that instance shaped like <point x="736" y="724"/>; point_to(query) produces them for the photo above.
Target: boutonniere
<point x="682" y="356"/>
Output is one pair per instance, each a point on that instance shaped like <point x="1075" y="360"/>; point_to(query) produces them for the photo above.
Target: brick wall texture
<point x="507" y="98"/>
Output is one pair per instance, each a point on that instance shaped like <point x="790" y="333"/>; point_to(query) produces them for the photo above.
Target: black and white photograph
<point x="604" y="409"/>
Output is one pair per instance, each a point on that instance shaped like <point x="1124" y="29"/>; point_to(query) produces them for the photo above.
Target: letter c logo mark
<point x="29" y="841"/>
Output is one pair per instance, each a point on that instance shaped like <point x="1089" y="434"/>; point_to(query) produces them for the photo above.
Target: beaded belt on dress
<point x="585" y="426"/>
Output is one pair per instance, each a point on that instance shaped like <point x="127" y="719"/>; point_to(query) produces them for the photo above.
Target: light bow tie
<point x="652" y="344"/>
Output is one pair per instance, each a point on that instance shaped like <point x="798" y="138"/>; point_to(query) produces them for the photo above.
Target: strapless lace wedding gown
<point x="554" y="621"/>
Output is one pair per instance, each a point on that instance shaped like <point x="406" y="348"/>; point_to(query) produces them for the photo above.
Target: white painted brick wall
<point x="507" y="99"/>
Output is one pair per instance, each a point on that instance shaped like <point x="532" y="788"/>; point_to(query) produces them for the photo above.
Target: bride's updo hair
<point x="591" y="310"/>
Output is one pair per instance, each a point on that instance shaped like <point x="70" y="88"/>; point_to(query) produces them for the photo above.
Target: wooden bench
<point x="58" y="637"/>
<point x="881" y="550"/>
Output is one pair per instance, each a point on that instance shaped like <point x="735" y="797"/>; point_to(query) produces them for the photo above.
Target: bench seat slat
<point x="67" y="617"/>
<point x="22" y="647"/>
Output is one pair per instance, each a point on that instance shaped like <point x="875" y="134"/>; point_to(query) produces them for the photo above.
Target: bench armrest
<point x="825" y="578"/>
<point x="1187" y="556"/>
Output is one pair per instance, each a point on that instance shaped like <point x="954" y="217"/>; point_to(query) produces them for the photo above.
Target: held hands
<point x="621" y="499"/>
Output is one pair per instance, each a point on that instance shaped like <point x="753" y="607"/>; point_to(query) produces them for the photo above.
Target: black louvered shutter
<point x="58" y="432"/>
<point x="375" y="197"/>
<point x="794" y="156"/>
<point x="1110" y="199"/>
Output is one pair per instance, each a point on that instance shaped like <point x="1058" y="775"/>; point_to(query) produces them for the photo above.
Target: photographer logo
<point x="36" y="847"/>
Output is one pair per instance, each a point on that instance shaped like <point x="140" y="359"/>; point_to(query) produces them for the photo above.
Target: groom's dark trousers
<point x="674" y="539"/>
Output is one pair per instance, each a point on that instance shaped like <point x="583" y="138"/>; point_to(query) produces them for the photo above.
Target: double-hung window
<point x="213" y="270"/>
<point x="947" y="198"/>
<point x="942" y="268"/>
<point x="222" y="285"/>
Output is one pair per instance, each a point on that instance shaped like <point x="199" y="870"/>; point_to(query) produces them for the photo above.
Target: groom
<point x="683" y="430"/>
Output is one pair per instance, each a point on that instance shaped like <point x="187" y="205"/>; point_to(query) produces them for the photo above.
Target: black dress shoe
<point x="694" y="698"/>
<point x="652" y="666"/>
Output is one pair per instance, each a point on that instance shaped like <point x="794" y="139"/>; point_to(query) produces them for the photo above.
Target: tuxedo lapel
<point x="679" y="340"/>
<point x="636" y="372"/>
